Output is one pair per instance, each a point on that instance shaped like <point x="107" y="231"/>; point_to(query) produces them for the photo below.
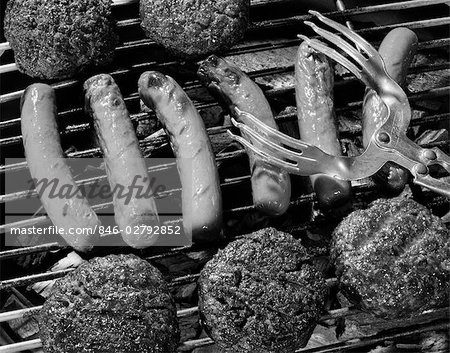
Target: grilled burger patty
<point x="193" y="28"/>
<point x="261" y="294"/>
<point x="117" y="303"/>
<point x="55" y="39"/>
<point x="393" y="259"/>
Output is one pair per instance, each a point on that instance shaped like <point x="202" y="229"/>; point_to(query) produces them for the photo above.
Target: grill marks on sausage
<point x="201" y="195"/>
<point x="314" y="78"/>
<point x="45" y="159"/>
<point x="271" y="186"/>
<point x="123" y="158"/>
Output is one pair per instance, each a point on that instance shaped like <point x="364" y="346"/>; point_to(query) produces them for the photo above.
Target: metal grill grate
<point x="266" y="35"/>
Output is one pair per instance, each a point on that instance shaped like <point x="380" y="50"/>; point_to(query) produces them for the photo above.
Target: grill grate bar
<point x="237" y="50"/>
<point x="357" y="190"/>
<point x="338" y="347"/>
<point x="433" y="22"/>
<point x="371" y="340"/>
<point x="412" y="25"/>
<point x="26" y="280"/>
<point x="19" y="314"/>
<point x="9" y="254"/>
<point x="305" y="198"/>
<point x="31" y="193"/>
<point x="427" y="94"/>
<point x="254" y="74"/>
<point x="8" y="141"/>
<point x="432" y="93"/>
<point x="295" y="19"/>
<point x="21" y="346"/>
<point x="88" y="153"/>
<point x="337" y="313"/>
<point x="46" y="276"/>
<point x="150" y="145"/>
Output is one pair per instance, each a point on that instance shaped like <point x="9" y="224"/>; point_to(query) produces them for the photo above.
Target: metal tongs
<point x="388" y="143"/>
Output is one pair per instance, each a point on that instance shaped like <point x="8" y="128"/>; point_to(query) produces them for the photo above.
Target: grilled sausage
<point x="201" y="195"/>
<point x="46" y="162"/>
<point x="271" y="186"/>
<point x="397" y="50"/>
<point x="123" y="159"/>
<point x="316" y="120"/>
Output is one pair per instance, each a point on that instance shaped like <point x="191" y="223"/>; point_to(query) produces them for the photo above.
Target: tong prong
<point x="368" y="68"/>
<point x="269" y="131"/>
<point x="334" y="38"/>
<point x="276" y="149"/>
<point x="300" y="158"/>
<point x="333" y="54"/>
<point x="289" y="167"/>
<point x="389" y="142"/>
<point x="359" y="41"/>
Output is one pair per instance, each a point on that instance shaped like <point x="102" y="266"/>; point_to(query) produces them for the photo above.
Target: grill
<point x="266" y="55"/>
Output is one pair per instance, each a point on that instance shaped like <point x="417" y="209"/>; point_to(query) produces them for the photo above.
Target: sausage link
<point x="271" y="186"/>
<point x="314" y="81"/>
<point x="46" y="162"/>
<point x="397" y="50"/>
<point x="123" y="160"/>
<point x="201" y="194"/>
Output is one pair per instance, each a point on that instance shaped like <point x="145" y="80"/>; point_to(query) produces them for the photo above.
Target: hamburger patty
<point x="393" y="259"/>
<point x="195" y="27"/>
<point x="117" y="303"/>
<point x="261" y="294"/>
<point x="55" y="39"/>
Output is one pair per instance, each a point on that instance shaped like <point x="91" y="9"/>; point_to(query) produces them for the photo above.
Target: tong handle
<point x="408" y="154"/>
<point x="441" y="158"/>
<point x="436" y="185"/>
<point x="433" y="156"/>
<point x="300" y="157"/>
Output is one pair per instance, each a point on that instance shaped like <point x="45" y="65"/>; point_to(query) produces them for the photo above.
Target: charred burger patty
<point x="393" y="259"/>
<point x="55" y="39"/>
<point x="193" y="28"/>
<point x="118" y="303"/>
<point x="261" y="294"/>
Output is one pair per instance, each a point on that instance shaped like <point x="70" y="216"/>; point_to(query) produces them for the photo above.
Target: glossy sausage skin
<point x="397" y="50"/>
<point x="271" y="186"/>
<point x="201" y="194"/>
<point x="314" y="81"/>
<point x="45" y="160"/>
<point x="123" y="159"/>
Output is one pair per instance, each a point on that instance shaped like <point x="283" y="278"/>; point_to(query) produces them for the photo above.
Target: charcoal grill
<point x="264" y="54"/>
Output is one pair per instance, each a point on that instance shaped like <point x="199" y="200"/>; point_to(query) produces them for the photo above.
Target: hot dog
<point x="397" y="50"/>
<point x="201" y="195"/>
<point x="45" y="159"/>
<point x="271" y="186"/>
<point x="314" y="81"/>
<point x="123" y="160"/>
